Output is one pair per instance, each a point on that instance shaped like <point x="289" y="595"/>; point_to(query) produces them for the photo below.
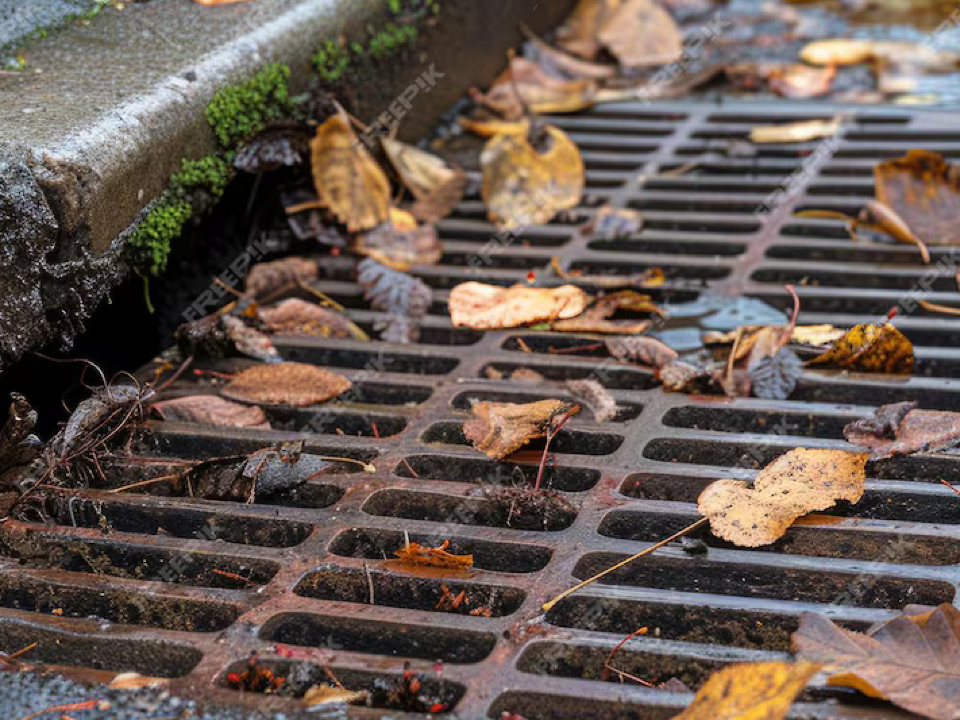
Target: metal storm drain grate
<point x="186" y="588"/>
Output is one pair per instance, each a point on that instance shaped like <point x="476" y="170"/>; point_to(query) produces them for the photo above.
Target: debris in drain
<point x="594" y="396"/>
<point x="436" y="186"/>
<point x="325" y="694"/>
<point x="285" y="383"/>
<point x="255" y="678"/>
<point x="404" y="297"/>
<point x="802" y="131"/>
<point x="595" y="318"/>
<point x="499" y="428"/>
<point x="19" y="447"/>
<point x="901" y="429"/>
<point x="211" y="410"/>
<point x="399" y="242"/>
<point x="491" y="307"/>
<point x="923" y="189"/>
<point x="133" y="680"/>
<point x="871" y="347"/>
<point x="411" y="553"/>
<point x="233" y="330"/>
<point x="610" y="223"/>
<point x="407" y="692"/>
<point x="268" y="277"/>
<point x="299" y="318"/>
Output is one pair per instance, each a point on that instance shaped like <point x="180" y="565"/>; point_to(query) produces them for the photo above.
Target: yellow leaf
<point x="490" y="307"/>
<point x="323" y="693"/>
<point x="870" y="347"/>
<point x="844" y="51"/>
<point x="795" y="132"/>
<point x="421" y="172"/>
<point x="750" y="691"/>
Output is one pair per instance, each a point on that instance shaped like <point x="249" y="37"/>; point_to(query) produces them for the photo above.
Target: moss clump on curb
<point x="239" y="112"/>
<point x="211" y="173"/>
<point x="330" y="61"/>
<point x="155" y="233"/>
<point x="391" y="40"/>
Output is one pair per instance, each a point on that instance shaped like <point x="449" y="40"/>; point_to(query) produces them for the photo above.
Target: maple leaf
<point x="405" y="298"/>
<point x="911" y="660"/>
<point x="294" y="316"/>
<point x="900" y="429"/>
<point x="500" y="428"/>
<point x="416" y="554"/>
<point x="750" y="691"/>
<point x="870" y="347"/>
<point x="801" y="481"/>
<point x="491" y="307"/>
<point x="286" y="383"/>
<point x="211" y="410"/>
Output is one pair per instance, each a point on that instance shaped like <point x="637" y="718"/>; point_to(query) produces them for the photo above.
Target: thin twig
<point x="21" y="651"/>
<point x="233" y="576"/>
<point x="941" y="480"/>
<point x="144" y="482"/>
<point x="936" y="307"/>
<point x="366" y="569"/>
<point x="85" y="705"/>
<point x="606" y="663"/>
<point x="410" y="467"/>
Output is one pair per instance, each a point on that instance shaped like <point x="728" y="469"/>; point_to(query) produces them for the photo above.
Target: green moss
<point x="152" y="239"/>
<point x="239" y="112"/>
<point x="331" y="61"/>
<point x="211" y="173"/>
<point x="391" y="40"/>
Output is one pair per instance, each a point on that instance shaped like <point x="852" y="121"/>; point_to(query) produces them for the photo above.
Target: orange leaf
<point x="870" y="347"/>
<point x="433" y="556"/>
<point x="490" y="307"/>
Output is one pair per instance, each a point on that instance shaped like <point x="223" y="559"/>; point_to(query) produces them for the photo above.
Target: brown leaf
<point x="286" y="383"/>
<point x="248" y="340"/>
<point x="323" y="694"/>
<point x="594" y="396"/>
<point x="578" y="34"/>
<point x="527" y="179"/>
<point x="641" y="33"/>
<point x="561" y="64"/>
<point x="595" y="318"/>
<point x="212" y="410"/>
<point x="399" y="243"/>
<point x="801" y="481"/>
<point x="491" y="307"/>
<point x="899" y="429"/>
<point x="525" y="86"/>
<point x="911" y="660"/>
<point x="346" y="177"/>
<point x="924" y="190"/>
<point x="266" y="277"/>
<point x="294" y="316"/>
<point x="500" y="428"/>
<point x="870" y="347"/>
<point x="441" y="201"/>
<point x="815" y="334"/>
<point x="795" y="132"/>
<point x="799" y="82"/>
<point x="421" y="172"/>
<point x="489" y="128"/>
<point x="750" y="691"/>
<point x="415" y="554"/>
<point x="405" y="298"/>
<point x="645" y="350"/>
<point x="681" y="376"/>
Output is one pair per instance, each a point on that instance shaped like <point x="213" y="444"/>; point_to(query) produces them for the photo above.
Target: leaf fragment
<point x="399" y="242"/>
<point x="416" y="554"/>
<point x="491" y="307"/>
<point x="324" y="694"/>
<point x="901" y="429"/>
<point x="134" y="680"/>
<point x="645" y="350"/>
<point x="526" y="86"/>
<point x="799" y="482"/>
<point x="500" y="428"/>
<point x="285" y="383"/>
<point x="294" y="316"/>
<point x="595" y="319"/>
<point x="610" y="223"/>
<point x="403" y="297"/>
<point x="595" y="396"/>
<point x="870" y="347"/>
<point x="248" y="340"/>
<point x="848" y="51"/>
<point x="750" y="691"/>
<point x="267" y="277"/>
<point x="801" y="81"/>
<point x="212" y="410"/>
<point x="795" y="132"/>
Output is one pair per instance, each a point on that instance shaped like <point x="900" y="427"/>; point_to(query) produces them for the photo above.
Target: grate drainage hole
<point x="440" y="467"/>
<point x="570" y="442"/>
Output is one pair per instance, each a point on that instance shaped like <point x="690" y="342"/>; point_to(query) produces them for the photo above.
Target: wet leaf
<point x="799" y="482"/>
<point x="286" y="383"/>
<point x="641" y="33"/>
<point x="561" y="64"/>
<point x="294" y="316"/>
<point x="775" y="376"/>
<point x="405" y="298"/>
<point x="324" y="694"/>
<point x="525" y="86"/>
<point x="870" y="347"/>
<point x="750" y="691"/>
<point x="249" y="341"/>
<point x="489" y="128"/>
<point x="421" y="172"/>
<point x="491" y="307"/>
<point x="415" y="554"/>
<point x="595" y="318"/>
<point x="267" y="277"/>
<point x="900" y="429"/>
<point x="273" y="148"/>
<point x="441" y="201"/>
<point x="795" y="132"/>
<point x="346" y="177"/>
<point x="644" y="350"/>
<point x="212" y="410"/>
<point x="578" y="34"/>
<point x="594" y="396"/>
<point x="500" y="428"/>
<point x="527" y="179"/>
<point x="799" y="82"/>
<point x="400" y="242"/>
<point x="924" y="190"/>
<point x="845" y="51"/>
<point x="911" y="660"/>
<point x="610" y="223"/>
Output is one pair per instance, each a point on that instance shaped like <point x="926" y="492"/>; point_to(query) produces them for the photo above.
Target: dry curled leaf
<point x="403" y="297"/>
<point x="923" y="189"/>
<point x="267" y="277"/>
<point x="528" y="178"/>
<point x="436" y="186"/>
<point x="491" y="307"/>
<point x="595" y="319"/>
<point x="594" y="396"/>
<point x="799" y="482"/>
<point x="911" y="660"/>
<point x="641" y="33"/>
<point x="324" y="694"/>
<point x="870" y="347"/>
<point x="525" y="86"/>
<point x="440" y="202"/>
<point x="901" y="429"/>
<point x="346" y="177"/>
<point x="750" y="691"/>
<point x="400" y="242"/>
<point x="415" y="554"/>
<point x="500" y="428"/>
<point x="286" y="383"/>
<point x="294" y="316"/>
<point x="803" y="131"/>
<point x="212" y="410"/>
<point x="645" y="350"/>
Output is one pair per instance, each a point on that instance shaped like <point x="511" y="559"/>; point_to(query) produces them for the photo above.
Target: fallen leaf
<point x="750" y="691"/>
<point x="645" y="350"/>
<point x="420" y="172"/>
<point x="561" y="64"/>
<point x="294" y="316"/>
<point x="267" y="277"/>
<point x="815" y="334"/>
<point x="641" y="33"/>
<point x="249" y="341"/>
<point x="595" y="318"/>
<point x="489" y="128"/>
<point x="795" y="132"/>
<point x="133" y="680"/>
<point x="400" y="242"/>
<point x="578" y="34"/>
<point x="527" y="179"/>
<point x="286" y="383"/>
<point x="799" y="482"/>
<point x="491" y="307"/>
<point x="403" y="297"/>
<point x="500" y="428"/>
<point x="870" y="347"/>
<point x="525" y="87"/>
<point x="924" y="190"/>
<point x="911" y="660"/>
<point x="346" y="177"/>
<point x="681" y="376"/>
<point x="596" y="397"/>
<point x="324" y="694"/>
<point x="212" y="410"/>
<point x="843" y="51"/>
<point x="527" y="376"/>
<point x="901" y="429"/>
<point x="801" y="81"/>
<point x="439" y="203"/>
<point x="775" y="376"/>
<point x="610" y="223"/>
<point x="416" y="554"/>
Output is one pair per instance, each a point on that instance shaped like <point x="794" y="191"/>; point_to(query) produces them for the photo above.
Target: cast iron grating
<point x="143" y="595"/>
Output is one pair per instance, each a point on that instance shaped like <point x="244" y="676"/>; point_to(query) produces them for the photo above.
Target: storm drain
<point x="186" y="589"/>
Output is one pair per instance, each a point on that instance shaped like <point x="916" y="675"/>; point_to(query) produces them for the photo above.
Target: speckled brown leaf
<point x="248" y="340"/>
<point x="400" y="242"/>
<point x="346" y="177"/>
<point x="799" y="482"/>
<point x="911" y="660"/>
<point x="500" y="428"/>
<point x="212" y="410"/>
<point x="870" y="347"/>
<point x="527" y="179"/>
<point x="900" y="429"/>
<point x="924" y="190"/>
<point x="491" y="307"/>
<point x="643" y="350"/>
<point x="294" y="316"/>
<point x="286" y="383"/>
<point x="641" y="33"/>
<point x="266" y="277"/>
<point x="595" y="319"/>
